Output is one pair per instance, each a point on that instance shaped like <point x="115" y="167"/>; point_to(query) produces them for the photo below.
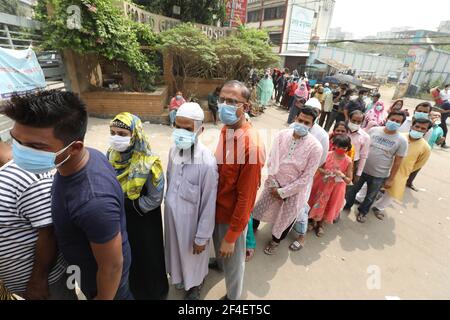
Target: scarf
<point x="134" y="165"/>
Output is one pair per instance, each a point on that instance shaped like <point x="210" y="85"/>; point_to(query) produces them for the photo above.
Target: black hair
<point x="362" y="91"/>
<point x="244" y="90"/>
<point x="349" y="93"/>
<point x="377" y="95"/>
<point x="427" y="121"/>
<point x="424" y="104"/>
<point x="341" y="123"/>
<point x="356" y="112"/>
<point x="309" y="112"/>
<point x="397" y="113"/>
<point x="342" y="141"/>
<point x="60" y="110"/>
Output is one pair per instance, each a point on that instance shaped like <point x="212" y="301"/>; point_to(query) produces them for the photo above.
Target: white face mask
<point x="118" y="143"/>
<point x="353" y="127"/>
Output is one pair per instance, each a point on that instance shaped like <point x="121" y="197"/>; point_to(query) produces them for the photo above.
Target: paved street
<point x="410" y="248"/>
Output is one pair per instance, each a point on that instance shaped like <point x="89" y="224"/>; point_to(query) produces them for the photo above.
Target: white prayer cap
<point x="191" y="110"/>
<point x="327" y="84"/>
<point x="313" y="103"/>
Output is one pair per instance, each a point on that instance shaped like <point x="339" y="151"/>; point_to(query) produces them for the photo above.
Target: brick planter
<point x="148" y="106"/>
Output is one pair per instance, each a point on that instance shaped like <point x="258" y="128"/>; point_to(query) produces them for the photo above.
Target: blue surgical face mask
<point x="416" y="134"/>
<point x="392" y="126"/>
<point x="36" y="161"/>
<point x="300" y="129"/>
<point x="379" y="108"/>
<point x="183" y="138"/>
<point x="227" y="114"/>
<point x="178" y="97"/>
<point x="421" y="115"/>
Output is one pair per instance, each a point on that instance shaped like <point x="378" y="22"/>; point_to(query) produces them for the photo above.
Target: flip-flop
<point x="361" y="218"/>
<point x="320" y="231"/>
<point x="271" y="248"/>
<point x="296" y="246"/>
<point x="380" y="215"/>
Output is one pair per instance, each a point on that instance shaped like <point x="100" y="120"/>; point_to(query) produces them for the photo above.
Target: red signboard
<point x="236" y="12"/>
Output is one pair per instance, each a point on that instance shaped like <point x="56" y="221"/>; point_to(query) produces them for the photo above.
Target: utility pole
<point x="261" y="16"/>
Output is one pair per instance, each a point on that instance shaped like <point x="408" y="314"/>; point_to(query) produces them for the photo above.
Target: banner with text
<point x="236" y="12"/>
<point x="20" y="72"/>
<point x="300" y="28"/>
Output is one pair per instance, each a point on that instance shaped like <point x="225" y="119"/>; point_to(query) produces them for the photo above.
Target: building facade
<point x="276" y="16"/>
<point x="338" y="34"/>
<point x="444" y="27"/>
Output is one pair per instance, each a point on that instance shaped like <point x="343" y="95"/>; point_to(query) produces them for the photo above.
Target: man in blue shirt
<point x="87" y="200"/>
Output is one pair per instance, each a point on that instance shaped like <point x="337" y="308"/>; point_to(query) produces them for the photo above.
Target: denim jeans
<point x="373" y="188"/>
<point x="172" y="116"/>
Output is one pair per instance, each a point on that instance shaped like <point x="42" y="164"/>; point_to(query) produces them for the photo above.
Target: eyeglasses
<point x="230" y="101"/>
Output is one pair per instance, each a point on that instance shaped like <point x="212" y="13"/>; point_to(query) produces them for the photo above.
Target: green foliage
<point x="11" y="7"/>
<point x="196" y="11"/>
<point x="232" y="57"/>
<point x="104" y="31"/>
<point x="192" y="51"/>
<point x="246" y="49"/>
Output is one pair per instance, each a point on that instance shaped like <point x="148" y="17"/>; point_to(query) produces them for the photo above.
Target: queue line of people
<point x="102" y="213"/>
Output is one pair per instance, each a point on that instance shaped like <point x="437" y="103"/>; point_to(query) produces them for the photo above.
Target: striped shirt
<point x="25" y="206"/>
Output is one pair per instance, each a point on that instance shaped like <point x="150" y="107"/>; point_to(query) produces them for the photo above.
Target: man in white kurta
<point x="190" y="203"/>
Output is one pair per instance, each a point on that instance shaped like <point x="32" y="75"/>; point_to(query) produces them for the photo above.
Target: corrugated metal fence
<point x="381" y="65"/>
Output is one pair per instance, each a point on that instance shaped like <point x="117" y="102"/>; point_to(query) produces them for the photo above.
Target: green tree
<point x="104" y="31"/>
<point x="245" y="49"/>
<point x="193" y="53"/>
<point x="196" y="11"/>
<point x="11" y="7"/>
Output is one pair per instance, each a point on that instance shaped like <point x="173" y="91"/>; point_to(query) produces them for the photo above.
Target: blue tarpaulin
<point x="20" y="72"/>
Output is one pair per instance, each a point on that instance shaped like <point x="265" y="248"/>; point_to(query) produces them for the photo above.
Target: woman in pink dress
<point x="328" y="192"/>
<point x="375" y="117"/>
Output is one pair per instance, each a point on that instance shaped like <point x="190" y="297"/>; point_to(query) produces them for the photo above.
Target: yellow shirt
<point x="418" y="154"/>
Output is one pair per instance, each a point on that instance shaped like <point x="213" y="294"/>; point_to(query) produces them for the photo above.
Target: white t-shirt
<point x="445" y="95"/>
<point x="320" y="134"/>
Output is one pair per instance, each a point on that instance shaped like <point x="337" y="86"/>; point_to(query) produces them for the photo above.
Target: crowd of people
<point x="65" y="205"/>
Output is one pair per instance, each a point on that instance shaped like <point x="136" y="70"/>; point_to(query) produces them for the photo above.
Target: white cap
<point x="191" y="110"/>
<point x="313" y="103"/>
<point x="327" y="84"/>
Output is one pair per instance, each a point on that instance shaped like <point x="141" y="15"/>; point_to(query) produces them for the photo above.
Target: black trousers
<point x="148" y="278"/>
<point x="256" y="224"/>
<point x="444" y="116"/>
<point x="411" y="178"/>
<point x="213" y="110"/>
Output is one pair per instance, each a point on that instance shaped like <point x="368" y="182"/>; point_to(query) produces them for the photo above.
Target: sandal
<point x="271" y="248"/>
<point x="378" y="214"/>
<point x="249" y="253"/>
<point x="311" y="225"/>
<point x="296" y="246"/>
<point x="320" y="231"/>
<point x="361" y="218"/>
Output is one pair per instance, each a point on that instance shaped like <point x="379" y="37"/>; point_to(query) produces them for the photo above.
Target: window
<point x="275" y="38"/>
<point x="253" y="16"/>
<point x="274" y="13"/>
